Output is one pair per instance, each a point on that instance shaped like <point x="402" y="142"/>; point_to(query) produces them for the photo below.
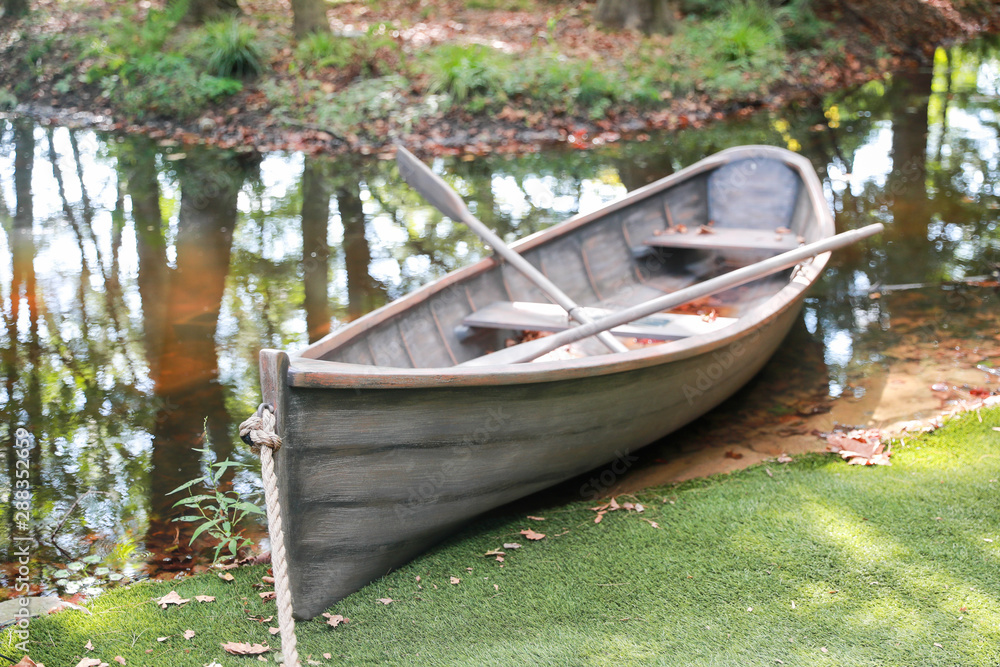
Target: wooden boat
<point x="390" y="443"/>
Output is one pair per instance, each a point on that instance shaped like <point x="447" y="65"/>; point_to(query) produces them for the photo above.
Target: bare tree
<point x="200" y="11"/>
<point x="646" y="15"/>
<point x="15" y="8"/>
<point x="309" y="17"/>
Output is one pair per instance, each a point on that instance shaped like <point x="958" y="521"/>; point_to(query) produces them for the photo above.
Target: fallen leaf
<point x="267" y="580"/>
<point x="89" y="662"/>
<point x="639" y="508"/>
<point x="188" y="634"/>
<point x="267" y="596"/>
<point x="162" y="639"/>
<point x="225" y="576"/>
<point x="496" y="587"/>
<point x="536" y="518"/>
<point x="599" y="517"/>
<point x="733" y="455"/>
<point x="784" y="458"/>
<point x="205" y="598"/>
<point x="333" y="620"/>
<point x="328" y="655"/>
<point x="511" y="545"/>
<point x="613" y="504"/>
<point x="242" y="648"/>
<point x="385" y="601"/>
<point x="455" y="581"/>
<point x="824" y="649"/>
<point x="27" y="662"/>
<point x="938" y="645"/>
<point x="532" y="535"/>
<point x="651" y="522"/>
<point x="274" y="631"/>
<point x="495" y="552"/>
<point x="120" y="660"/>
<point x="859" y="447"/>
<point x="88" y="646"/>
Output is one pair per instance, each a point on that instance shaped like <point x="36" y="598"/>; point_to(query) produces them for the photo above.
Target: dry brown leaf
<point x="536" y="518"/>
<point x="859" y="447"/>
<point x="385" y="601"/>
<point x="599" y="517"/>
<point x="532" y="535"/>
<point x="90" y="662"/>
<point x="784" y="458"/>
<point x="267" y="596"/>
<point x="188" y="634"/>
<point x="511" y="545"/>
<point x="455" y="581"/>
<point x="267" y="580"/>
<point x="162" y="639"/>
<point x="328" y="655"/>
<point x="225" y="576"/>
<point x="333" y="620"/>
<point x="205" y="598"/>
<point x="88" y="646"/>
<point x="651" y="522"/>
<point x="242" y="648"/>
<point x="120" y="660"/>
<point x="27" y="662"/>
<point x="613" y="505"/>
<point x="938" y="645"/>
<point x="274" y="631"/>
<point x="495" y="552"/>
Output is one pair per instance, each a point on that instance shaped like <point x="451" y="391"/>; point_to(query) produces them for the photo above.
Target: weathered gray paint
<point x="381" y="461"/>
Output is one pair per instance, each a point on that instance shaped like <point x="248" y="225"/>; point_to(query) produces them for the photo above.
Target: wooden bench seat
<point x="525" y="316"/>
<point x="726" y="238"/>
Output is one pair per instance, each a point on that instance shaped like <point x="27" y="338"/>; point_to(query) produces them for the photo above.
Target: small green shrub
<point x="466" y="71"/>
<point x="167" y="84"/>
<point x="218" y="514"/>
<point x="320" y="50"/>
<point x="230" y="49"/>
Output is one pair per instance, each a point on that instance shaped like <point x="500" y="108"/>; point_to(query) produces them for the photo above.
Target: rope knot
<point x="259" y="430"/>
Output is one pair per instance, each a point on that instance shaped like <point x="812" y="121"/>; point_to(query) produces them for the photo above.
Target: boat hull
<point x="369" y="478"/>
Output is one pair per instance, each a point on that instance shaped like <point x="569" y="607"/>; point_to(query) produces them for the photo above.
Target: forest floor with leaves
<point x="455" y="76"/>
<point x="809" y="561"/>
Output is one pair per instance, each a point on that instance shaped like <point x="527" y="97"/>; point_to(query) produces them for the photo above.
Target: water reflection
<point x="142" y="278"/>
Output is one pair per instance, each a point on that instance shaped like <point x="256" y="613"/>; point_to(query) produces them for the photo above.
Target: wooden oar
<point x="446" y="200"/>
<point x="533" y="349"/>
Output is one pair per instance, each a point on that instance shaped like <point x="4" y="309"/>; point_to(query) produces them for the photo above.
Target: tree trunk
<point x="200" y="11"/>
<point x="315" y="249"/>
<point x="309" y="16"/>
<point x="646" y="15"/>
<point x="15" y="8"/>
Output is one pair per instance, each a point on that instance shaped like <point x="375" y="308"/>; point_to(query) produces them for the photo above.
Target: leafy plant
<point x="218" y="513"/>
<point x="320" y="50"/>
<point x="230" y="49"/>
<point x="464" y="71"/>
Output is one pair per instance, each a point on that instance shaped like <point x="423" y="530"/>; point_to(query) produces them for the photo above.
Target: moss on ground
<point x="813" y="562"/>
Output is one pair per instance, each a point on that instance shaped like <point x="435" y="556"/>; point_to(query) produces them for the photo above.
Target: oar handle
<point x="442" y="197"/>
<point x="533" y="349"/>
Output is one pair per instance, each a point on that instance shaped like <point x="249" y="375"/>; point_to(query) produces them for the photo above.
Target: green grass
<point x="880" y="564"/>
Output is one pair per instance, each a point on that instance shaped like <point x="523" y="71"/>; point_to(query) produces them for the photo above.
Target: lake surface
<point x="140" y="279"/>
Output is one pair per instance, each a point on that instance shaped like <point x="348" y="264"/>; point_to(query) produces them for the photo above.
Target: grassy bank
<point x="813" y="562"/>
<point x="453" y="74"/>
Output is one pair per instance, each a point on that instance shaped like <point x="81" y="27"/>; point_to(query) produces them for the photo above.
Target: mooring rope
<point x="259" y="432"/>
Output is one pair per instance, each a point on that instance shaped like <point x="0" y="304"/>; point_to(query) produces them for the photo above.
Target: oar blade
<point x="430" y="185"/>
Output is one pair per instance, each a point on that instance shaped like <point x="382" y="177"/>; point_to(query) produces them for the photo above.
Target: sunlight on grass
<point x="747" y="568"/>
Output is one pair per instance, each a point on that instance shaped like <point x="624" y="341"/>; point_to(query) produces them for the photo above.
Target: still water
<point x="140" y="279"/>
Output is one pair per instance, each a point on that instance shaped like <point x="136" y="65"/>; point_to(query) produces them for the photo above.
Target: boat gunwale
<point x="308" y="370"/>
